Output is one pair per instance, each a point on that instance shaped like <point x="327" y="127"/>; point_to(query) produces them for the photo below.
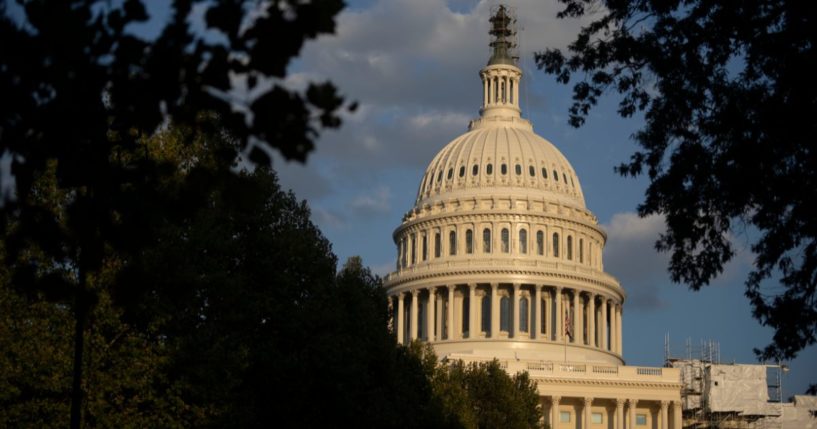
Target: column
<point x="619" y="413"/>
<point x="548" y="312"/>
<point x="631" y="413"/>
<point x="515" y="321"/>
<point x="432" y="297"/>
<point x="559" y="330"/>
<point x="413" y="321"/>
<point x="664" y="419"/>
<point x="516" y="92"/>
<point x="577" y="317"/>
<point x="677" y="415"/>
<point x="494" y="310"/>
<point x="605" y="343"/>
<point x="537" y="313"/>
<point x="586" y="409"/>
<point x="484" y="91"/>
<point x="473" y="329"/>
<point x="620" y="347"/>
<point x="400" y="329"/>
<point x="450" y="318"/>
<point x="591" y="320"/>
<point x="554" y="411"/>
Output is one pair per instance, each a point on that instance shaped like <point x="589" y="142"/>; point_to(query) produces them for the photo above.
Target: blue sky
<point x="413" y="66"/>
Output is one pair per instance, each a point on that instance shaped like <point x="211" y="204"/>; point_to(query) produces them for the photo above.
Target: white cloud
<point x="373" y="202"/>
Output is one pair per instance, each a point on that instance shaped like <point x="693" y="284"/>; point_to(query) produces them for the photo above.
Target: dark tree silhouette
<point x="729" y="98"/>
<point x="79" y="91"/>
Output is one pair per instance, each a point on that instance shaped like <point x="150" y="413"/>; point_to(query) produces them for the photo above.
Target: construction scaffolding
<point x="735" y="396"/>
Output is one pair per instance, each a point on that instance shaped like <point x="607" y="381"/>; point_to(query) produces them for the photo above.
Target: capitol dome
<point x="499" y="255"/>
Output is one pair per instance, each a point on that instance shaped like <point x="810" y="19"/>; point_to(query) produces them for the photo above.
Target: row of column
<point x="573" y="308"/>
<point x="622" y="419"/>
<point x="499" y="89"/>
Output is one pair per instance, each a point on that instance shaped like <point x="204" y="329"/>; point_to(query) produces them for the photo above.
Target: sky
<point x="413" y="67"/>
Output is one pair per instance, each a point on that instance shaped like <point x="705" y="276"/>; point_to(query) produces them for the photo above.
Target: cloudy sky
<point x="413" y="67"/>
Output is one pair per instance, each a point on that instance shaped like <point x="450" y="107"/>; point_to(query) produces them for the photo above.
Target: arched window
<point x="555" y="245"/>
<point x="555" y="176"/>
<point x="486" y="313"/>
<point x="403" y="253"/>
<point x="540" y="243"/>
<point x="523" y="241"/>
<point x="466" y="314"/>
<point x="581" y="251"/>
<point x="505" y="314"/>
<point x="452" y="243"/>
<point x="523" y="314"/>
<point x="564" y="177"/>
<point x="544" y="172"/>
<point x="469" y="241"/>
<point x="462" y="170"/>
<point x="518" y="170"/>
<point x="506" y="245"/>
<point x="504" y="169"/>
<point x="486" y="240"/>
<point x="475" y="170"/>
<point x="532" y="171"/>
<point x="425" y="248"/>
<point x="450" y="173"/>
<point x="437" y="245"/>
<point x="489" y="169"/>
<point x="439" y="177"/>
<point x="569" y="248"/>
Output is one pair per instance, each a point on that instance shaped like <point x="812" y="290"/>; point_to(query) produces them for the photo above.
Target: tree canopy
<point x="728" y="97"/>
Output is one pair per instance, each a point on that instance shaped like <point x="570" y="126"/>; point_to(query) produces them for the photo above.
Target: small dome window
<point x="564" y="177"/>
<point x="532" y="171"/>
<point x="571" y="182"/>
<point x="462" y="170"/>
<point x="475" y="170"/>
<point x="544" y="172"/>
<point x="440" y="177"/>
<point x="518" y="170"/>
<point x="504" y="169"/>
<point x="555" y="175"/>
<point x="450" y="173"/>
<point x="489" y="169"/>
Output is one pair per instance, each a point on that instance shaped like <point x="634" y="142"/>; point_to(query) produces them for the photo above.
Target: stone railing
<point x="592" y="371"/>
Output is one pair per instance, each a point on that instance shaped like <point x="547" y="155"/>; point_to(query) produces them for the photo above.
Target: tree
<point x="728" y="142"/>
<point x="481" y="394"/>
<point x="80" y="91"/>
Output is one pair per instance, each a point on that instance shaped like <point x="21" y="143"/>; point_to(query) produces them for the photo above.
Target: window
<point x="489" y="169"/>
<point x="403" y="254"/>
<point x="555" y="176"/>
<point x="505" y="314"/>
<point x="641" y="420"/>
<point x="596" y="418"/>
<point x="540" y="242"/>
<point x="504" y="169"/>
<point x="466" y="314"/>
<point x="486" y="313"/>
<point x="450" y="173"/>
<point x="523" y="241"/>
<point x="462" y="170"/>
<point x="506" y="247"/>
<point x="474" y="170"/>
<point x="518" y="170"/>
<point x="571" y="182"/>
<point x="425" y="248"/>
<point x="452" y="243"/>
<point x="532" y="171"/>
<point x="564" y="177"/>
<point x="440" y="177"/>
<point x="523" y="314"/>
<point x="569" y="248"/>
<point x="469" y="241"/>
<point x="564" y="416"/>
<point x="486" y="240"/>
<point x="437" y="245"/>
<point x="555" y="245"/>
<point x="544" y="172"/>
<point x="581" y="251"/>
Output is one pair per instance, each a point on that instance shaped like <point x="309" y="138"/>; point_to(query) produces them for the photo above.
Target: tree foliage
<point x="81" y="90"/>
<point x="728" y="96"/>
<point x="481" y="395"/>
